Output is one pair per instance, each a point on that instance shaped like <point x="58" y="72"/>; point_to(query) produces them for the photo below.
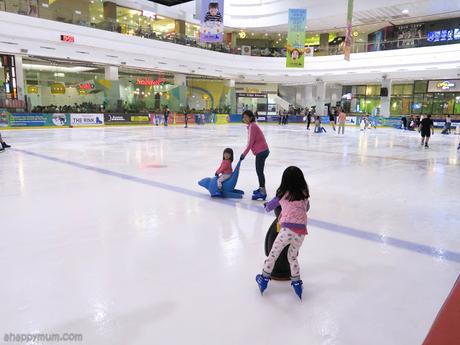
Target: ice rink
<point x="105" y="232"/>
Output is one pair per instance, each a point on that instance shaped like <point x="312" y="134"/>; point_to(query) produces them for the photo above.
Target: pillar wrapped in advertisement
<point x="349" y="32"/>
<point x="296" y="38"/>
<point x="212" y="21"/>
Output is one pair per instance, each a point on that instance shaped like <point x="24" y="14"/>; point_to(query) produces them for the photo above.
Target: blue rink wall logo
<point x="86" y="119"/>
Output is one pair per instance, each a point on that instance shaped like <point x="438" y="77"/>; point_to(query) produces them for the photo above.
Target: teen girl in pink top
<point x="258" y="145"/>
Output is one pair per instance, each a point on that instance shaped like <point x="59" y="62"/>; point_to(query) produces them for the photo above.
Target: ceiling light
<point x="405" y="11"/>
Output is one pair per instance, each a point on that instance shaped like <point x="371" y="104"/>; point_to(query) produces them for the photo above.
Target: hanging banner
<point x="212" y="21"/>
<point x="296" y="38"/>
<point x="349" y="32"/>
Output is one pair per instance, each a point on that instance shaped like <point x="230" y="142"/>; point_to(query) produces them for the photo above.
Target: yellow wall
<point x="216" y="88"/>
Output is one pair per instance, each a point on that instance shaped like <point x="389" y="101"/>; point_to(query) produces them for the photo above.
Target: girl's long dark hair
<point x="229" y="151"/>
<point x="293" y="185"/>
<point x="250" y="114"/>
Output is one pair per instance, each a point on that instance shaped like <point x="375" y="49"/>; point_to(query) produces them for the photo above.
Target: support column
<point x="19" y="78"/>
<point x="304" y="96"/>
<point x="112" y="90"/>
<point x="230" y="101"/>
<point x="385" y="100"/>
<point x="309" y="101"/>
<point x="324" y="44"/>
<point x="179" y="28"/>
<point x="179" y="101"/>
<point x="110" y="14"/>
<point x="320" y="97"/>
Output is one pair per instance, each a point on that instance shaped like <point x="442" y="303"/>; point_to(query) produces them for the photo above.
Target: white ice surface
<point x="115" y="240"/>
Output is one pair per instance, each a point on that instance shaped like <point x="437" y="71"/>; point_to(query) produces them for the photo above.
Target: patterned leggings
<point x="285" y="237"/>
<point x="222" y="178"/>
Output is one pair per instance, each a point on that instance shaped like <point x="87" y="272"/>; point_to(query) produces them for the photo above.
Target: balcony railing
<point x="149" y="33"/>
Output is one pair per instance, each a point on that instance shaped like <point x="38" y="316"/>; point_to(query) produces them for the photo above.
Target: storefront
<point x="421" y="97"/>
<point x="437" y="97"/>
<point x="69" y="86"/>
<point x="440" y="32"/>
<point x="361" y="99"/>
<point x="260" y="98"/>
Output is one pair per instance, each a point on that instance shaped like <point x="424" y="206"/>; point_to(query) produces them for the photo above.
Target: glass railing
<point x="149" y="33"/>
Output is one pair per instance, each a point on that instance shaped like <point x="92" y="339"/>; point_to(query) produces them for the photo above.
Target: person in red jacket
<point x="225" y="170"/>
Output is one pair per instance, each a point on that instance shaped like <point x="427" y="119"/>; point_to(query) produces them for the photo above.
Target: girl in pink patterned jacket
<point x="292" y="196"/>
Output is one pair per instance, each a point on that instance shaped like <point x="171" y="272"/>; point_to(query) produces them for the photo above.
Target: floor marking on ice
<point x="359" y="155"/>
<point x="438" y="253"/>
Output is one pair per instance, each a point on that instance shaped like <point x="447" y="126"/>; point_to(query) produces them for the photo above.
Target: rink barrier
<point x="53" y="120"/>
<point x="351" y="120"/>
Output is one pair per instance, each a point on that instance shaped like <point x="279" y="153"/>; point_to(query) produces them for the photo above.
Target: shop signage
<point x="114" y="119"/>
<point x="150" y="82"/>
<point x="443" y="35"/>
<point x="444" y="86"/>
<point x="86" y="119"/>
<point x="252" y="95"/>
<point x="86" y="86"/>
<point x="68" y="38"/>
<point x="32" y="89"/>
<point x="57" y="89"/>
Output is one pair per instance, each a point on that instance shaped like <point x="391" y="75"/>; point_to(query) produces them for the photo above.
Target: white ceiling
<point x="38" y="37"/>
<point x="328" y="15"/>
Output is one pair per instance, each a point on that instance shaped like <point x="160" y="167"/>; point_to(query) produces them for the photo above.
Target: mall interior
<point x="106" y="236"/>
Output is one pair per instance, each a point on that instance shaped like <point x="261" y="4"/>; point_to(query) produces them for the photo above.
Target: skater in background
<point x="318" y="126"/>
<point x="448" y="124"/>
<point x="404" y="123"/>
<point x="186" y="112"/>
<point x="418" y="120"/>
<point x="332" y="119"/>
<point x="166" y="115"/>
<point x="342" y="119"/>
<point x="426" y="129"/>
<point x="258" y="145"/>
<point x="3" y="145"/>
<point x="309" y="112"/>
<point x="225" y="169"/>
<point x="292" y="195"/>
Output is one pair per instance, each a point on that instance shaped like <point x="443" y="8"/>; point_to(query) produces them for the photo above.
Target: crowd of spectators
<point x="86" y="107"/>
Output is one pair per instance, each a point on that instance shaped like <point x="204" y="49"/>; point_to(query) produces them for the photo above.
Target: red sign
<point x="68" y="38"/>
<point x="149" y="82"/>
<point x="86" y="86"/>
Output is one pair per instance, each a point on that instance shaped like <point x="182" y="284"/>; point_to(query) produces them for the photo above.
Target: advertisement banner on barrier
<point x="38" y="120"/>
<point x="126" y="119"/>
<point x="351" y="120"/>
<point x="27" y="120"/>
<point x="296" y="38"/>
<point x="58" y="120"/>
<point x="212" y="21"/>
<point x="86" y="120"/>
